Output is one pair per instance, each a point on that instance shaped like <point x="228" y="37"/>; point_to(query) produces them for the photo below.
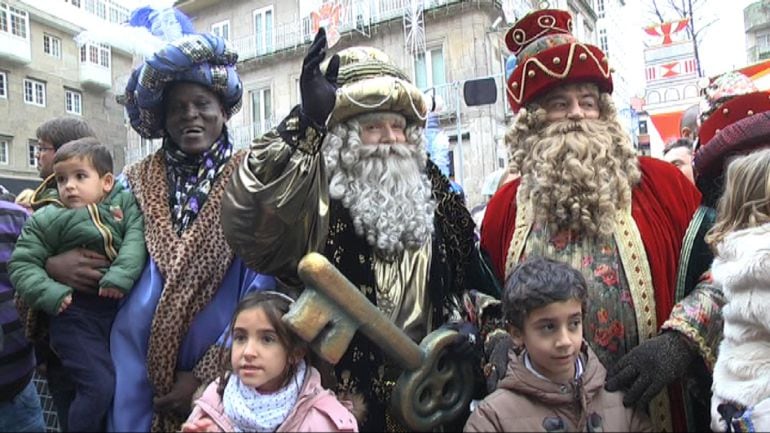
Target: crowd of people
<point x="606" y="292"/>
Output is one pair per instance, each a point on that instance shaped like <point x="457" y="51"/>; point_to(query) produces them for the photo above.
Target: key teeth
<point x="317" y="320"/>
<point x="309" y="315"/>
<point x="333" y="341"/>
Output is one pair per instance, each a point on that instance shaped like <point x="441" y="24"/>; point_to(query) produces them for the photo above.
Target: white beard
<point x="387" y="192"/>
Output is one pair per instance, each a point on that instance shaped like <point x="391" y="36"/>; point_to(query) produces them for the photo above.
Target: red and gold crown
<point x="734" y="109"/>
<point x="734" y="127"/>
<point x="548" y="55"/>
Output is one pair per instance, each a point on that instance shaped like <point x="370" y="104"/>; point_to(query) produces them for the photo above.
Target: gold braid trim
<point x="637" y="269"/>
<point x="605" y="69"/>
<point x="681" y="325"/>
<point x="523" y="225"/>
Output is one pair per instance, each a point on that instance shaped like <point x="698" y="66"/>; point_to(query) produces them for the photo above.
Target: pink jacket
<point x="317" y="409"/>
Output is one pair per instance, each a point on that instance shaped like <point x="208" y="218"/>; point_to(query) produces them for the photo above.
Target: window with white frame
<point x="600" y="8"/>
<point x="221" y="29"/>
<point x="101" y="9"/>
<point x="118" y="14"/>
<point x="34" y="92"/>
<point x="32" y="153"/>
<point x="73" y="102"/>
<point x="261" y="111"/>
<point x="14" y="21"/>
<point x="5" y="144"/>
<point x="263" y="30"/>
<point x="97" y="7"/>
<point x="588" y="33"/>
<point x="506" y="105"/>
<point x="603" y="42"/>
<point x="3" y="85"/>
<point x="763" y="40"/>
<point x="51" y="45"/>
<point x="429" y="70"/>
<point x="98" y="54"/>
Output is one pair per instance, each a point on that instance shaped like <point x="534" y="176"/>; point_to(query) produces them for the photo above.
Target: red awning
<point x="756" y="70"/>
<point x="667" y="125"/>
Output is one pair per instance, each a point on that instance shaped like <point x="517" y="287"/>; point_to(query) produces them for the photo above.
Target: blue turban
<point x="197" y="58"/>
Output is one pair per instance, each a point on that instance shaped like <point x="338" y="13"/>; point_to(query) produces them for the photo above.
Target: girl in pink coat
<point x="270" y="386"/>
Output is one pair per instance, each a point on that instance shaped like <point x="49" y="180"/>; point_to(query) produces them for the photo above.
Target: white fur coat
<point x="742" y="270"/>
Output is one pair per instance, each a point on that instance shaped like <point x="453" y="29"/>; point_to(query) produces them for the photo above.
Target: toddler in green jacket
<point x="94" y="212"/>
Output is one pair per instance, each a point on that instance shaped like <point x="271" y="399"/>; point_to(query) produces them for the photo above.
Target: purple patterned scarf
<point x="190" y="178"/>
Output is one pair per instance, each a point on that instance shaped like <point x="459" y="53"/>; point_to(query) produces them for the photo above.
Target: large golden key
<point x="434" y="388"/>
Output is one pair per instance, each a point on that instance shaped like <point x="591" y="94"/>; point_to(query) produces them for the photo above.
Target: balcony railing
<point x="758" y="52"/>
<point x="355" y="14"/>
<point x="757" y="16"/>
<point x="243" y="135"/>
<point x="15" y="49"/>
<point x="95" y="76"/>
<point x="446" y="98"/>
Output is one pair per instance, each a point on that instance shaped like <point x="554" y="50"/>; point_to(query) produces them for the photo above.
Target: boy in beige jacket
<point x="554" y="381"/>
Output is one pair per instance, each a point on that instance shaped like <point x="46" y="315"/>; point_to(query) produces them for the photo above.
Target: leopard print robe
<point x="192" y="265"/>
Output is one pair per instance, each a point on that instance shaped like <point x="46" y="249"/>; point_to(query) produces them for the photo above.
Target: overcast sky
<point x="724" y="43"/>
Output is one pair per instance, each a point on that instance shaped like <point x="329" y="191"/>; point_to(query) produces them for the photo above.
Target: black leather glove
<point x="730" y="412"/>
<point x="497" y="349"/>
<point x="649" y="367"/>
<point x="318" y="90"/>
<point x="467" y="342"/>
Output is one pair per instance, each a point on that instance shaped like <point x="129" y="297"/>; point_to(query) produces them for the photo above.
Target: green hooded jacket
<point x="114" y="227"/>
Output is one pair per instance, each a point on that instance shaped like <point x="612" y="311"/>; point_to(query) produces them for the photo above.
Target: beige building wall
<point x="461" y="28"/>
<point x="19" y="120"/>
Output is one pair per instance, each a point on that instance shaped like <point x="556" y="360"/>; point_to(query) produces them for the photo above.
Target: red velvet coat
<point x="662" y="205"/>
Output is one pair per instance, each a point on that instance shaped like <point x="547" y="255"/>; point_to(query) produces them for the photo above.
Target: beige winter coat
<point x="524" y="402"/>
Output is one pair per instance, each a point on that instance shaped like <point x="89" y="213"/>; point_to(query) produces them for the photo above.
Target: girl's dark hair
<point x="274" y="305"/>
<point x="538" y="282"/>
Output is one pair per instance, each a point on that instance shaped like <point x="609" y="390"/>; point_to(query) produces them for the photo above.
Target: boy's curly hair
<point x="538" y="282"/>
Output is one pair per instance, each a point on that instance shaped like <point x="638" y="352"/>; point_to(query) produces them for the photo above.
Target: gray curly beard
<point x="384" y="187"/>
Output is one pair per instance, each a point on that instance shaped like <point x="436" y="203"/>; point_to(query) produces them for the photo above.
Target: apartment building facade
<point x="44" y="74"/>
<point x="756" y="21"/>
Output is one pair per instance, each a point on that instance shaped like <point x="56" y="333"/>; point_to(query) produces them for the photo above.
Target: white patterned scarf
<point x="249" y="410"/>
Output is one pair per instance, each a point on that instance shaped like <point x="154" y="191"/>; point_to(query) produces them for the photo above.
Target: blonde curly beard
<point x="385" y="187"/>
<point x="576" y="174"/>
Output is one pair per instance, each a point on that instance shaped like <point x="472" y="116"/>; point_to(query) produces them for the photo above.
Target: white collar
<point x="530" y="367"/>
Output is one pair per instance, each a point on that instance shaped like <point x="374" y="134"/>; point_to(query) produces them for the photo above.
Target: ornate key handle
<point x="437" y="392"/>
<point x="434" y="388"/>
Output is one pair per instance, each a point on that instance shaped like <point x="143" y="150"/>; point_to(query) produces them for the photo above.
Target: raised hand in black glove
<point x="317" y="89"/>
<point x="649" y="367"/>
<point x="467" y="343"/>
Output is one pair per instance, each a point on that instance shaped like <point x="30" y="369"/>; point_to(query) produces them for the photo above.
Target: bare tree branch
<point x="701" y="29"/>
<point x="656" y="11"/>
<point x="680" y="8"/>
